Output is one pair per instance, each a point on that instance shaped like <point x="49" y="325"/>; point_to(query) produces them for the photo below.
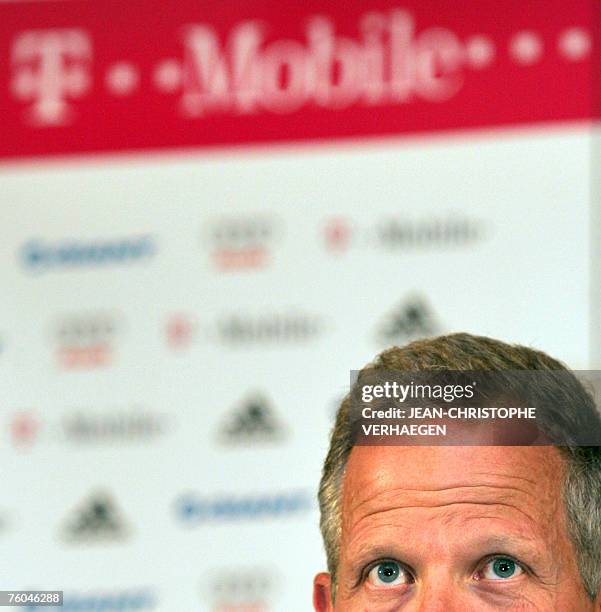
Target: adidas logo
<point x="252" y="422"/>
<point x="412" y="320"/>
<point x="95" y="520"/>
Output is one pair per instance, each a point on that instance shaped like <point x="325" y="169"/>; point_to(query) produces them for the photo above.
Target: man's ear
<point x="322" y="593"/>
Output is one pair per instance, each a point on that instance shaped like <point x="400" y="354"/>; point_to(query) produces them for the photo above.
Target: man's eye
<point x="501" y="568"/>
<point x="388" y="573"/>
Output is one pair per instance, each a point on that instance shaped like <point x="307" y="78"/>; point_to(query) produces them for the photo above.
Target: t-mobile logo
<point x="49" y="68"/>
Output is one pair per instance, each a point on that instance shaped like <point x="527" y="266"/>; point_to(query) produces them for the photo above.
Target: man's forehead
<point x="415" y="503"/>
<point x="384" y="471"/>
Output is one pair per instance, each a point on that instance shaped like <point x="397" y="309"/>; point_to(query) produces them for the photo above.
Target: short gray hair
<point x="461" y="352"/>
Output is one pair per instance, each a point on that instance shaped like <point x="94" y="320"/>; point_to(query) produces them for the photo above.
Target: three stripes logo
<point x="253" y="421"/>
<point x="96" y="520"/>
<point x="412" y="320"/>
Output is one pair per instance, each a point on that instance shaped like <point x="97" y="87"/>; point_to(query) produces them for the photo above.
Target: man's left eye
<point x="501" y="568"/>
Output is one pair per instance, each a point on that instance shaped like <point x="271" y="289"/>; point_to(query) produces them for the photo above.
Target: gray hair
<point x="582" y="479"/>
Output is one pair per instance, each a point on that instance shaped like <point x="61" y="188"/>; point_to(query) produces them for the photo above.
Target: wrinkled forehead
<point x="399" y="475"/>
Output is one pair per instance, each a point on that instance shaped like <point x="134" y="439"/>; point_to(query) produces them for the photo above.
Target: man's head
<point x="462" y="527"/>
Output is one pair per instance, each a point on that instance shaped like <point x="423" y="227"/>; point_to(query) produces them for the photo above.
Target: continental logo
<point x="193" y="509"/>
<point x="124" y="600"/>
<point x="73" y="254"/>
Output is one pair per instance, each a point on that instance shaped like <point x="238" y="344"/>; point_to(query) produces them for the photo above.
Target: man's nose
<point x="441" y="596"/>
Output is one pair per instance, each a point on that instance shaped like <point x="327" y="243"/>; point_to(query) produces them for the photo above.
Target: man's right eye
<point x="388" y="574"/>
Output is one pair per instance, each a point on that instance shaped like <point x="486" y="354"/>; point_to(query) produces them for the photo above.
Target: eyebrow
<point x="524" y="544"/>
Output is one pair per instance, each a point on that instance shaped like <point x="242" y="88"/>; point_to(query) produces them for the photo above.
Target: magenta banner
<point x="107" y="76"/>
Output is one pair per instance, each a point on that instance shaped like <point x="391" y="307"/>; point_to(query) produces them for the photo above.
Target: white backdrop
<point x="164" y="415"/>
